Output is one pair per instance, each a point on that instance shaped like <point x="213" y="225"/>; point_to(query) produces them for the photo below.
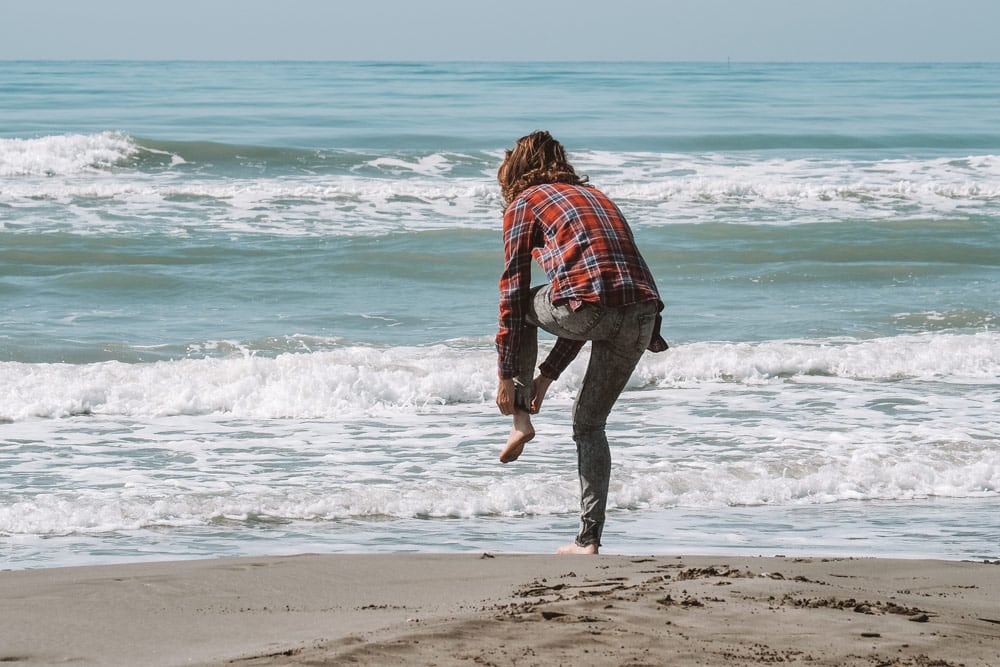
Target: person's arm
<point x="538" y="388"/>
<point x="515" y="287"/>
<point x="562" y="353"/>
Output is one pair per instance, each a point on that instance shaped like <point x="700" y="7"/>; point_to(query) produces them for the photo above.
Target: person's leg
<point x="606" y="376"/>
<point x="540" y="309"/>
<point x="611" y="364"/>
<point x="522" y="430"/>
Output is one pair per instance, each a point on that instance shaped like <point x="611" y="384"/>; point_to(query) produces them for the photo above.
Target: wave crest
<point x="64" y="155"/>
<point x="358" y="380"/>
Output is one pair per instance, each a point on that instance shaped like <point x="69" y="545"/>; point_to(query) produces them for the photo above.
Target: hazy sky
<point x="797" y="30"/>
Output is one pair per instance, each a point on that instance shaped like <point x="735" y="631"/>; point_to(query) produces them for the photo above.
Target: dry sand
<point x="460" y="609"/>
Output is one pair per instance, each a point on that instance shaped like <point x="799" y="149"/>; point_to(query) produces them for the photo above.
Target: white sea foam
<point x="357" y="380"/>
<point x="61" y="155"/>
<point x="294" y="206"/>
<point x="943" y="357"/>
<point x="401" y="433"/>
<point x="405" y="192"/>
<point x="349" y="381"/>
<point x="430" y="165"/>
<point x="705" y="449"/>
<point x="802" y="190"/>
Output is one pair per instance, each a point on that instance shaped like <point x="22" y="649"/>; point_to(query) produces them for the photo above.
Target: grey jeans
<point x="619" y="337"/>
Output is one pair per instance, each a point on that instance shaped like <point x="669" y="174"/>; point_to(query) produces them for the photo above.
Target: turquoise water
<point x="249" y="307"/>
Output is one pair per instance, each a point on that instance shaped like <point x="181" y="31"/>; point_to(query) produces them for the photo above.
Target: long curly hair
<point x="535" y="159"/>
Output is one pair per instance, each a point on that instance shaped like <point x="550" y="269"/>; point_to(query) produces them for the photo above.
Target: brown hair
<point x="535" y="159"/>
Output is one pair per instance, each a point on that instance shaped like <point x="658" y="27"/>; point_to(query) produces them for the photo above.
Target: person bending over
<point x="598" y="288"/>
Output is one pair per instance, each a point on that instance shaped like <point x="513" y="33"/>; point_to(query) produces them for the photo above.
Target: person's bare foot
<point x="576" y="549"/>
<point x="520" y="433"/>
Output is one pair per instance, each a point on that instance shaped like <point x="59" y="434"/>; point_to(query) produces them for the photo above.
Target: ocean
<point x="249" y="308"/>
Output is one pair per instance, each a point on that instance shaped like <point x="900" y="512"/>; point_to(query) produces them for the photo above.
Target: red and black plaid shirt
<point x="581" y="240"/>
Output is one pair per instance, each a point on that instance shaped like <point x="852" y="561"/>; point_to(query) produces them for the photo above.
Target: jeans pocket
<point x="581" y="323"/>
<point x="565" y="322"/>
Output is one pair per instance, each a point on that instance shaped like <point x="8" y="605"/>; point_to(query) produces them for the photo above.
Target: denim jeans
<point x="619" y="337"/>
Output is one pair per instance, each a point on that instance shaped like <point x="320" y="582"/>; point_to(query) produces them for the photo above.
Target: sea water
<point x="249" y="308"/>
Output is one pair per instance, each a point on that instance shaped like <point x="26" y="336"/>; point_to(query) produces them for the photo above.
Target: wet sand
<point x="484" y="609"/>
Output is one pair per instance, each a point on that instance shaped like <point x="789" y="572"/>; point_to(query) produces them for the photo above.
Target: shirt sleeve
<point x="562" y="353"/>
<point x="515" y="286"/>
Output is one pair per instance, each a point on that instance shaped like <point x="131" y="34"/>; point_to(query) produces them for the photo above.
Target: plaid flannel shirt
<point x="582" y="242"/>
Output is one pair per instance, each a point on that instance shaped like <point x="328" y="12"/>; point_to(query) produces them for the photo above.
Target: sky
<point x="667" y="30"/>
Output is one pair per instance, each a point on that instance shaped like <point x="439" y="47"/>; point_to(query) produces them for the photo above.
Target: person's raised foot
<point x="576" y="549"/>
<point x="520" y="433"/>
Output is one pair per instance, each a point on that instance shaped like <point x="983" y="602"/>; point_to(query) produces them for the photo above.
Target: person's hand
<point x="505" y="396"/>
<point x="538" y="389"/>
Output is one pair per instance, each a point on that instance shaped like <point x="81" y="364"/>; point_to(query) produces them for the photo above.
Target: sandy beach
<point x="495" y="609"/>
